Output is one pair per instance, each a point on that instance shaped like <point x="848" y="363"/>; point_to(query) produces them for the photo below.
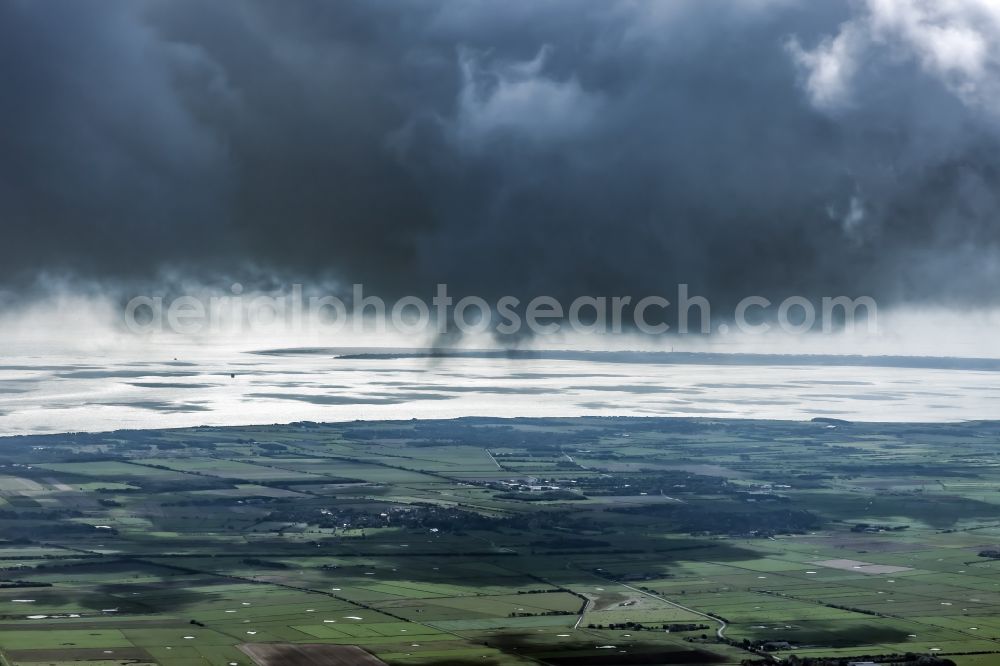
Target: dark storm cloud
<point x="563" y="148"/>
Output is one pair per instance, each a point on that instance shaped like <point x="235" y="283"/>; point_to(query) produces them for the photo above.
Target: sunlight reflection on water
<point x="53" y="393"/>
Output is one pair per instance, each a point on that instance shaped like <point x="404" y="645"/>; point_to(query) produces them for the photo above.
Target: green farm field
<point x="567" y="542"/>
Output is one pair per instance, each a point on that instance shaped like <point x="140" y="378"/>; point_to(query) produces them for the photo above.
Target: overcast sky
<point x="540" y="147"/>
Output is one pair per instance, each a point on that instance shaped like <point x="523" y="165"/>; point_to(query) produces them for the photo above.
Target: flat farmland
<point x="500" y="542"/>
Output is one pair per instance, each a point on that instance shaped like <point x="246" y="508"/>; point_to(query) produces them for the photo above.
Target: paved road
<point x="720" y="632"/>
<point x="586" y="607"/>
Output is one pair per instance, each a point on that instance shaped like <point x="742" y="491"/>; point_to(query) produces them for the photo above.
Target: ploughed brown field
<point x="308" y="654"/>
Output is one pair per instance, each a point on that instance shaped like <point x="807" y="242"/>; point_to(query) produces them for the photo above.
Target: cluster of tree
<point x="11" y="584"/>
<point x="229" y="501"/>
<point x="561" y="542"/>
<point x="631" y="576"/>
<point x="44" y="516"/>
<point x="868" y="527"/>
<point x="48" y="528"/>
<point x="425" y="516"/>
<point x="639" y="626"/>
<point x="431" y="433"/>
<point x="412" y="517"/>
<point x="264" y="564"/>
<point x="729" y="521"/>
<point x="652" y="483"/>
<point x="170" y="445"/>
<point x="540" y="614"/>
<point x="910" y="470"/>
